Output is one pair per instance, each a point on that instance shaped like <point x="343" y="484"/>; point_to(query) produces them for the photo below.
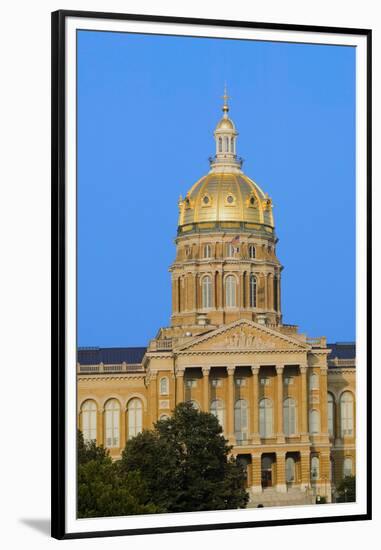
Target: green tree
<point x="346" y="491"/>
<point x="185" y="463"/>
<point x="104" y="490"/>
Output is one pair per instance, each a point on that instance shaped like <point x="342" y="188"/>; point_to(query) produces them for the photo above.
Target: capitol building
<point x="285" y="400"/>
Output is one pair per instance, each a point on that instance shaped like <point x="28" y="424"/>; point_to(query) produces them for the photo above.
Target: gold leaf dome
<point x="226" y="197"/>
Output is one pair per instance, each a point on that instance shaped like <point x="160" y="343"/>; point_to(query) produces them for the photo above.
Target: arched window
<point x="289" y="416"/>
<point x="290" y="469"/>
<point x="315" y="468"/>
<point x="163" y="417"/>
<point x="207" y="251"/>
<point x="314" y="421"/>
<point x="226" y="144"/>
<point x="217" y="408"/>
<point x="331" y="415"/>
<point x="194" y="404"/>
<point x="240" y="420"/>
<point x="164" y="390"/>
<point x="265" y="418"/>
<point x="232" y="145"/>
<point x="251" y="251"/>
<point x="346" y="414"/>
<point x="253" y="291"/>
<point x="229" y="250"/>
<point x="112" y="417"/>
<point x="89" y="421"/>
<point x="206" y="291"/>
<point x="230" y="291"/>
<point x="314" y="381"/>
<point x="347" y="467"/>
<point x="135" y="417"/>
<point x="220" y="145"/>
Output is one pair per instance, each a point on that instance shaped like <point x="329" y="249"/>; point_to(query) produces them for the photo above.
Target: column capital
<point x="230" y="370"/>
<point x="256" y="455"/>
<point x="280" y="454"/>
<point x="206" y="371"/>
<point x="255" y="369"/>
<point x="279" y="369"/>
<point x="303" y="368"/>
<point x="180" y="371"/>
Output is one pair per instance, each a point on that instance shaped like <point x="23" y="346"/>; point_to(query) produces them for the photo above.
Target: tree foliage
<point x="185" y="464"/>
<point x="104" y="490"/>
<point x="346" y="491"/>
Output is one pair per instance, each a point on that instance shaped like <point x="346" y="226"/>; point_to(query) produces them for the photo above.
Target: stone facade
<point x="286" y="401"/>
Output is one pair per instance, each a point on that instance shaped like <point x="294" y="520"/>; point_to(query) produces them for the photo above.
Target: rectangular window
<point x="191" y="383"/>
<point x="240" y="381"/>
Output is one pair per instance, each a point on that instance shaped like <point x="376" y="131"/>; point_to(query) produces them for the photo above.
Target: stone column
<point x="270" y="292"/>
<point x="325" y="484"/>
<point x="279" y="385"/>
<point x="255" y="439"/>
<point x="123" y="428"/>
<point x="179" y="385"/>
<point x="205" y="387"/>
<point x="265" y="289"/>
<point x="256" y="483"/>
<point x="323" y="401"/>
<point x="196" y="282"/>
<point x="230" y="404"/>
<point x="100" y="427"/>
<point x="281" y="472"/>
<point x="304" y="434"/>
<point x="305" y="475"/>
<point x="153" y="397"/>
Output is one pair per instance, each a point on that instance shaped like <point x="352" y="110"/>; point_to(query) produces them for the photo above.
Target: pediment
<point x="244" y="335"/>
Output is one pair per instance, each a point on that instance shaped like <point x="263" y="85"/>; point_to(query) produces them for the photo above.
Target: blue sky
<point x="147" y="108"/>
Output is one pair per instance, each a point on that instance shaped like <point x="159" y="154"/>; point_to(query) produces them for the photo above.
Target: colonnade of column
<point x="253" y="400"/>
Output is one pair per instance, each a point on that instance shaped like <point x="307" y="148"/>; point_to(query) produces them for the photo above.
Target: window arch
<point x="315" y="468"/>
<point x="206" y="285"/>
<point x="346" y="414"/>
<point x="331" y="415"/>
<point x="135" y="416"/>
<point x="230" y="291"/>
<point x="314" y="381"/>
<point x="112" y="421"/>
<point x="89" y="421"/>
<point x="207" y="251"/>
<point x="217" y="408"/>
<point x="240" y="420"/>
<point x="251" y="251"/>
<point x="314" y="421"/>
<point x="253" y="290"/>
<point x="347" y="466"/>
<point x="290" y="469"/>
<point x="194" y="404"/>
<point x="164" y="417"/>
<point x="289" y="416"/>
<point x="265" y="417"/>
<point x="164" y="386"/>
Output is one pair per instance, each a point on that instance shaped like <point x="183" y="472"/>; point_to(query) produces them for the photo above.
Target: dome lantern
<point x="225" y="136"/>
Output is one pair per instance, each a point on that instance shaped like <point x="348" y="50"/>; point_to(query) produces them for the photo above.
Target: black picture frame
<point x="59" y="246"/>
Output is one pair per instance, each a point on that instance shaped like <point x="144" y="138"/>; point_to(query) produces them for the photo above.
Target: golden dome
<point x="225" y="124"/>
<point x="226" y="197"/>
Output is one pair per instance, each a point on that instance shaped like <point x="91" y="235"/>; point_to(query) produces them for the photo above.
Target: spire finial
<point x="225" y="97"/>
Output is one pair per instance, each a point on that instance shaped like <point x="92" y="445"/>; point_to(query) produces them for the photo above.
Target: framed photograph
<point x="211" y="359"/>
